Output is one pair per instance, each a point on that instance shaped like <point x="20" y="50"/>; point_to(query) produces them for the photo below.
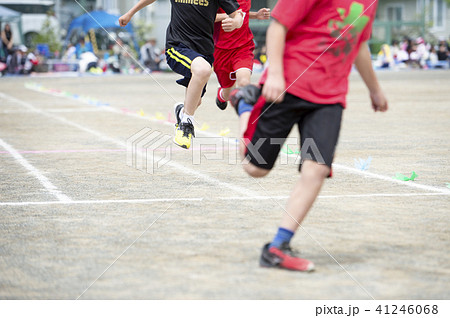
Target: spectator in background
<point x="447" y="44"/>
<point x="16" y="60"/>
<point x="83" y="47"/>
<point x="403" y="57"/>
<point x="31" y="61"/>
<point x="395" y="48"/>
<point x="262" y="55"/>
<point x="406" y="44"/>
<point x="70" y="54"/>
<point x="385" y="59"/>
<point x="22" y="61"/>
<point x="433" y="58"/>
<point x="442" y="52"/>
<point x="88" y="63"/>
<point x="7" y="41"/>
<point x="150" y="55"/>
<point x="422" y="51"/>
<point x="123" y="54"/>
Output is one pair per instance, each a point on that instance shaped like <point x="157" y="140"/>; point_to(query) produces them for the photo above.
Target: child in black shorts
<point x="311" y="46"/>
<point x="189" y="51"/>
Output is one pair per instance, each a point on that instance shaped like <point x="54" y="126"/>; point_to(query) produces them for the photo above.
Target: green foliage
<point x="142" y="29"/>
<point x="48" y="35"/>
<point x="375" y="46"/>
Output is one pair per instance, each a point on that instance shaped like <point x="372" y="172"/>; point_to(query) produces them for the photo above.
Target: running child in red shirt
<point x="233" y="54"/>
<point x="311" y="45"/>
<point x="189" y="51"/>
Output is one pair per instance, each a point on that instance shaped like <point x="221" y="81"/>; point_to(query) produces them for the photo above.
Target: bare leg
<point x="201" y="71"/>
<point x="305" y="192"/>
<point x="242" y="79"/>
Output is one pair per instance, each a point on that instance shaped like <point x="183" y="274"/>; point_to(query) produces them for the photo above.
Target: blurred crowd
<point x="15" y="59"/>
<point x="415" y="53"/>
<point x="121" y="58"/>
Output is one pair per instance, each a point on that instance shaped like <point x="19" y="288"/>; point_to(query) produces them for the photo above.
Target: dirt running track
<point x="78" y="222"/>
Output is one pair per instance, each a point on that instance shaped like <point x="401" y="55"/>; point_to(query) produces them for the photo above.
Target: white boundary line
<point x="129" y="114"/>
<point x="384" y="178"/>
<point x="336" y="166"/>
<point x="50" y="187"/>
<point x="253" y="198"/>
<point x="129" y="246"/>
<point x="55" y="110"/>
<point x="173" y="164"/>
<point x="340" y="196"/>
<point x="97" y="201"/>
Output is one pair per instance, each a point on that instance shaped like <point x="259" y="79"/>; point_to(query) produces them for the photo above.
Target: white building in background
<point x="434" y="15"/>
<point x="33" y="15"/>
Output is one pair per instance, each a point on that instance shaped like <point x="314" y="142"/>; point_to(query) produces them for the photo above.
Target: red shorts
<point x="227" y="62"/>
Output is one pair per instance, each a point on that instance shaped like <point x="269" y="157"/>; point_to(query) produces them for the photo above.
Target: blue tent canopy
<point x="98" y="20"/>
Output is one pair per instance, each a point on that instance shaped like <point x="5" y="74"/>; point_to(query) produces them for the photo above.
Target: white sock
<point x="185" y="118"/>
<point x="221" y="94"/>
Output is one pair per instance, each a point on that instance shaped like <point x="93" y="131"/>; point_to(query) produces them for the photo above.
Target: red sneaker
<point x="220" y="102"/>
<point x="284" y="257"/>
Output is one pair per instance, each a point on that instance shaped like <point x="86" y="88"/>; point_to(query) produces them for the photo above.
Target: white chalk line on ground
<point x="111" y="109"/>
<point x="372" y="175"/>
<point x="54" y="110"/>
<point x="129" y="246"/>
<point x="259" y="198"/>
<point x="81" y="202"/>
<point x="133" y="115"/>
<point x="336" y="166"/>
<point x="182" y="168"/>
<point x="340" y="196"/>
<point x="50" y="187"/>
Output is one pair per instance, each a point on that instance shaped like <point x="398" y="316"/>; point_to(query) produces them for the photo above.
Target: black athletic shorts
<point x="179" y="59"/>
<point x="270" y="125"/>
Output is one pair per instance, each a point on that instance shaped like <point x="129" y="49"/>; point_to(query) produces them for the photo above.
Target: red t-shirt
<point x="238" y="37"/>
<point x="316" y="63"/>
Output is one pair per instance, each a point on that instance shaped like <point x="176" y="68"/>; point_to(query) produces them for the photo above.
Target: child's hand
<point x="263" y="14"/>
<point x="230" y="24"/>
<point x="274" y="88"/>
<point x="123" y="20"/>
<point x="379" y="101"/>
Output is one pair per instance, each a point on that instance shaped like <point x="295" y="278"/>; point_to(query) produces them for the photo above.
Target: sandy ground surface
<point x="77" y="221"/>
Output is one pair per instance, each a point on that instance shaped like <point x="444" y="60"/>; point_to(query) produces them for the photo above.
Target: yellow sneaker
<point x="183" y="134"/>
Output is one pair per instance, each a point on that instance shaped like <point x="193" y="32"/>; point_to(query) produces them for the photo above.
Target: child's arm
<point x="262" y="14"/>
<point x="234" y="21"/>
<point x="220" y="17"/>
<point x="123" y="20"/>
<point x="363" y="63"/>
<point x="275" y="85"/>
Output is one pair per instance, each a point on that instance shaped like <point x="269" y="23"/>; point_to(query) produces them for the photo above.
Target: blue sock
<point x="283" y="235"/>
<point x="244" y="107"/>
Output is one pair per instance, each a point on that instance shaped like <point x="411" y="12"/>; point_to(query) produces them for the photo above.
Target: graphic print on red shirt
<point x="322" y="43"/>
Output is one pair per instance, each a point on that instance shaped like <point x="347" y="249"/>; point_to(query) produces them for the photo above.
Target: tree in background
<point x="48" y="35"/>
<point x="142" y="29"/>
